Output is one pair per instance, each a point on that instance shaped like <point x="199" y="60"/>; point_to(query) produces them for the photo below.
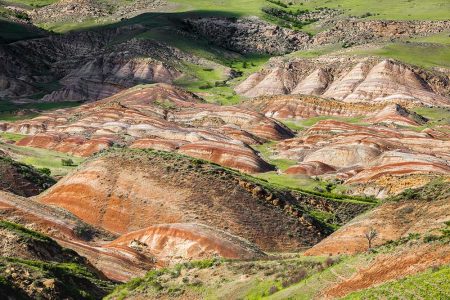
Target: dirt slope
<point x="426" y="211"/>
<point x="72" y="233"/>
<point x="22" y="179"/>
<point x="153" y="188"/>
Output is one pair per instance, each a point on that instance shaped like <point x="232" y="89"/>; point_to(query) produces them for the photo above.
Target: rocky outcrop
<point x="76" y="11"/>
<point x="29" y="256"/>
<point x="253" y="35"/>
<point x="247" y="35"/>
<point x="227" y="154"/>
<point x="357" y="32"/>
<point x="70" y="11"/>
<point x="15" y="87"/>
<point x="349" y="79"/>
<point x="156" y="116"/>
<point x="305" y="106"/>
<point x="398" y="115"/>
<point x="310" y="168"/>
<point x="72" y="233"/>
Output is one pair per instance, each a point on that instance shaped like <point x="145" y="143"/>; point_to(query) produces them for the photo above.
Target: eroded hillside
<point x="260" y="149"/>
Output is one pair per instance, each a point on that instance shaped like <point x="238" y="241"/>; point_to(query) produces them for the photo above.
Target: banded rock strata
<point x="157" y="116"/>
<point x="365" y="154"/>
<point x="349" y="79"/>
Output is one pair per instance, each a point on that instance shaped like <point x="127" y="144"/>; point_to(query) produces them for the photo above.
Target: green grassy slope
<point x="39" y="158"/>
<point x="10" y="111"/>
<point x="289" y="277"/>
<point x="382" y="9"/>
<point x="427" y="55"/>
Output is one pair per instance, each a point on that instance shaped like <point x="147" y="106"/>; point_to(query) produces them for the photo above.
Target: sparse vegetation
<point x="435" y="190"/>
<point x="287" y="18"/>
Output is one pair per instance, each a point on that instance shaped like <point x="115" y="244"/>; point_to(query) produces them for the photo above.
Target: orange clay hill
<point x="258" y="150"/>
<point x="159" y="116"/>
<point x="411" y="246"/>
<point x="125" y="190"/>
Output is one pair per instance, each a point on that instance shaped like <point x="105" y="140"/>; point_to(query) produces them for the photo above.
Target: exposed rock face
<point x="392" y="221"/>
<point x="398" y="115"/>
<point x="87" y="65"/>
<point x="349" y="79"/>
<point x="356" y="32"/>
<point x="109" y="74"/>
<point x="15" y="87"/>
<point x="408" y="260"/>
<point x="310" y="168"/>
<point x="171" y="243"/>
<point x="70" y="11"/>
<point x="366" y="154"/>
<point x="29" y="260"/>
<point x="252" y="35"/>
<point x="247" y="35"/>
<point x="72" y="233"/>
<point x="303" y="107"/>
<point x="234" y="156"/>
<point x="153" y="188"/>
<point x="157" y="116"/>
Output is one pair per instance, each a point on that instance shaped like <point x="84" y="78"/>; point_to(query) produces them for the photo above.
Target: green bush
<point x="67" y="162"/>
<point x="45" y="171"/>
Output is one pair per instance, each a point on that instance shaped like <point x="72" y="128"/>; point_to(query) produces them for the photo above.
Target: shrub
<point x="330" y="261"/>
<point x="205" y="86"/>
<point x="295" y="277"/>
<point x="84" y="231"/>
<point x="220" y="83"/>
<point x="347" y="44"/>
<point x="410" y="194"/>
<point x="45" y="171"/>
<point x="67" y="162"/>
<point x="430" y="238"/>
<point x="329" y="187"/>
<point x="273" y="289"/>
<point x="367" y="14"/>
<point x="279" y="3"/>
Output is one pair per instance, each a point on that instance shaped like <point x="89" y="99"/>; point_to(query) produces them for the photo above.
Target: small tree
<point x="370" y="235"/>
